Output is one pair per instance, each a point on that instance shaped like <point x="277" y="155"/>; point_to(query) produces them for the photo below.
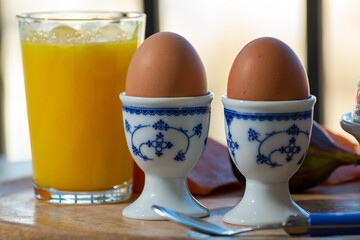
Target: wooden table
<point x="23" y="217"/>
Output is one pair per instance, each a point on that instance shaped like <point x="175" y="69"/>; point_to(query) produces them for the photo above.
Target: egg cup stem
<point x="170" y="192"/>
<point x="270" y="201"/>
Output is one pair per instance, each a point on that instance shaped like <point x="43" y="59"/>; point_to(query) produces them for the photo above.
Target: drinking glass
<point x="75" y="65"/>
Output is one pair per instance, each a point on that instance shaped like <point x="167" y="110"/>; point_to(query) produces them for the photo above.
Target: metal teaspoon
<point x="316" y="224"/>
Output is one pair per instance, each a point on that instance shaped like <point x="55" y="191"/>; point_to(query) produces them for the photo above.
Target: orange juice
<point x="74" y="113"/>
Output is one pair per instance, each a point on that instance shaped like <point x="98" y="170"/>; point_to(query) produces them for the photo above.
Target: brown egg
<point x="166" y="65"/>
<point x="267" y="69"/>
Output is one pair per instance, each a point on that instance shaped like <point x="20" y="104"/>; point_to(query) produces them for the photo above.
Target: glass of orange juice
<point x="75" y="65"/>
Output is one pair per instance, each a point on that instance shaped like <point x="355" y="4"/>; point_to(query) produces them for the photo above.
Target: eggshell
<point x="166" y="65"/>
<point x="267" y="69"/>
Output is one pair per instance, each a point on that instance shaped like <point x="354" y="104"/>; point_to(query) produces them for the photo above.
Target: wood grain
<point x="24" y="217"/>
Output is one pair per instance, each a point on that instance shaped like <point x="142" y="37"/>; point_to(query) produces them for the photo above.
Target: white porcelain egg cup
<point x="349" y="125"/>
<point x="267" y="142"/>
<point x="166" y="137"/>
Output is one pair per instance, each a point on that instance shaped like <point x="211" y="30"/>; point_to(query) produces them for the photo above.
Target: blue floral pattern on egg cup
<point x="158" y="142"/>
<point x="166" y="137"/>
<point x="267" y="142"/>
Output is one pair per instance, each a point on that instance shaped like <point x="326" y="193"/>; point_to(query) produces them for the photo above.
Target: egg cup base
<point x="172" y="193"/>
<point x="264" y="203"/>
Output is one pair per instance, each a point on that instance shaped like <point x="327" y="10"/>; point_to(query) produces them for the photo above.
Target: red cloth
<point x="346" y="173"/>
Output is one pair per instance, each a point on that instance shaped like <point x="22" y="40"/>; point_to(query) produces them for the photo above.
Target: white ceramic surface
<point x="349" y="125"/>
<point x="166" y="137"/>
<point x="267" y="142"/>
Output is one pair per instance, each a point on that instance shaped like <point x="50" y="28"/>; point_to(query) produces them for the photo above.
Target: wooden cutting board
<point x="24" y="217"/>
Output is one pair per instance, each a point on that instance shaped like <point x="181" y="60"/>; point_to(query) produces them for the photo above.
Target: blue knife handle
<point x="321" y="224"/>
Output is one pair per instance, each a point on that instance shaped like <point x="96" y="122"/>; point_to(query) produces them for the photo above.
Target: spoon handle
<point x="321" y="224"/>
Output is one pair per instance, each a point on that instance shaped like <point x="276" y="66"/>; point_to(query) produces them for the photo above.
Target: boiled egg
<point x="166" y="65"/>
<point x="267" y="69"/>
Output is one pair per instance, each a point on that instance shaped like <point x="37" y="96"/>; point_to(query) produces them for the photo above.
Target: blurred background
<point x="323" y="33"/>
